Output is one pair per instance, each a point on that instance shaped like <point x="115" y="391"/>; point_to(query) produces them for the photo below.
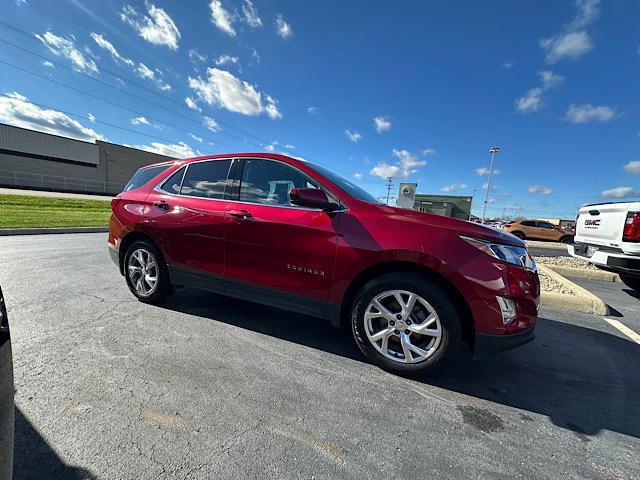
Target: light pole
<point x="493" y="151"/>
<point x="389" y="181"/>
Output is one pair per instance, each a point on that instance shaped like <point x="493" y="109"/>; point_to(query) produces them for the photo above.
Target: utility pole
<point x="389" y="181"/>
<point x="493" y="151"/>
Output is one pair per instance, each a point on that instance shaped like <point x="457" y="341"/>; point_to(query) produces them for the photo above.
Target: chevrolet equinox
<point x="413" y="287"/>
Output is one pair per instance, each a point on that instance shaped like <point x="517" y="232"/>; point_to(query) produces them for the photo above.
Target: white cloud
<point x="573" y="41"/>
<point x="223" y="89"/>
<point x="272" y="146"/>
<point x="221" y="18"/>
<point x="255" y="55"/>
<point x="454" y="187"/>
<point x="353" y="136"/>
<point x="91" y="117"/>
<point x="195" y="137"/>
<point x="493" y="187"/>
<point x="177" y="150"/>
<point x="192" y="104"/>
<point x="210" y="123"/>
<point x="65" y="47"/>
<point x="385" y="170"/>
<point x="108" y="46"/>
<point x="621" y="192"/>
<point x="15" y="109"/>
<point x="47" y="63"/>
<point x="288" y="146"/>
<point x="20" y="3"/>
<point x="312" y="110"/>
<point x="148" y="74"/>
<point x="482" y="171"/>
<point x="140" y="121"/>
<point x="157" y="27"/>
<point x="382" y="124"/>
<point x="532" y="101"/>
<point x="508" y="65"/>
<point x="589" y="113"/>
<point x="428" y="151"/>
<point x="282" y="27"/>
<point x="633" y="167"/>
<point x="408" y="160"/>
<point x="195" y="55"/>
<point x="250" y="13"/>
<point x="357" y="176"/>
<point x="540" y="190"/>
<point x="227" y="59"/>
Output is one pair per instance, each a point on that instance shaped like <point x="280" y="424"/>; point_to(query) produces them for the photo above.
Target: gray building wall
<point x="49" y="162"/>
<point x="448" y="205"/>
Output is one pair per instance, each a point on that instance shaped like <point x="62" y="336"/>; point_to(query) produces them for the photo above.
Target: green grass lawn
<point x="24" y="211"/>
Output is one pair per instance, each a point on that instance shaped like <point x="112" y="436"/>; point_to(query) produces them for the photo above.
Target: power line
<point x="128" y="80"/>
<point x="102" y="99"/>
<point x="98" y="121"/>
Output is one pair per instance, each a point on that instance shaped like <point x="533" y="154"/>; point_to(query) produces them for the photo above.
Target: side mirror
<point x="312" y="198"/>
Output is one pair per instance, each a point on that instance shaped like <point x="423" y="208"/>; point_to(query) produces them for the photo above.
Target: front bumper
<point x="115" y="255"/>
<point x="487" y="344"/>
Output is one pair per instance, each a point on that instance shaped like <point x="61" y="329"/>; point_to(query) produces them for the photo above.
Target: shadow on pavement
<point x="34" y="459"/>
<point x="583" y="379"/>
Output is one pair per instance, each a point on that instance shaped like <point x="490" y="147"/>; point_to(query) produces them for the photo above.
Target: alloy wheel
<point x="142" y="269"/>
<point x="403" y="326"/>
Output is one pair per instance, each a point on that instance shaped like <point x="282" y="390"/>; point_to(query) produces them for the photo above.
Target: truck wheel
<point x="631" y="282"/>
<point x="406" y="324"/>
<point x="146" y="272"/>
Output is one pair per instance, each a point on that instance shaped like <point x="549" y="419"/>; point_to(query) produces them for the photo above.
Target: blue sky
<point x="416" y="90"/>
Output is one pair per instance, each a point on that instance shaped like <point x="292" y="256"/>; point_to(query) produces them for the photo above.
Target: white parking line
<point x="624" y="329"/>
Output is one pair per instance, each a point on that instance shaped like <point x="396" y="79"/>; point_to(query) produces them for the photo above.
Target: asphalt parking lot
<point x="208" y="387"/>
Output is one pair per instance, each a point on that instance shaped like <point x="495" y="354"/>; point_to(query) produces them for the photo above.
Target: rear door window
<point x="174" y="182"/>
<point x="206" y="179"/>
<point x="142" y="176"/>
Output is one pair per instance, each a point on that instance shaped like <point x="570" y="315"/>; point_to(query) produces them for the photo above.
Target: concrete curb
<point x="582" y="301"/>
<point x="546" y="245"/>
<point x="587" y="273"/>
<point x="43" y="231"/>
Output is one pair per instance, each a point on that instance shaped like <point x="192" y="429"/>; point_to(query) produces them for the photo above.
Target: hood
<point x="462" y="227"/>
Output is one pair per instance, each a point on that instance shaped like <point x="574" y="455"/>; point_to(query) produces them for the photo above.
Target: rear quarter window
<point x="143" y="175"/>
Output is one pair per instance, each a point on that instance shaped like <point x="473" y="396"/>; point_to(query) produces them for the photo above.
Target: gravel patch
<point x="548" y="284"/>
<point x="565" y="262"/>
<point x="552" y="245"/>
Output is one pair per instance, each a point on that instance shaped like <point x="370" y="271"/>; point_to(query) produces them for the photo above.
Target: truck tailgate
<point x="601" y="224"/>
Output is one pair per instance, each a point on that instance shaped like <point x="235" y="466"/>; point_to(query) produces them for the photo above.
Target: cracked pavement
<point x="208" y="387"/>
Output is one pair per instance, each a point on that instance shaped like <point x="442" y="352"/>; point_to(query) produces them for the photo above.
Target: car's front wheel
<point x="146" y="272"/>
<point x="631" y="282"/>
<point x="406" y="324"/>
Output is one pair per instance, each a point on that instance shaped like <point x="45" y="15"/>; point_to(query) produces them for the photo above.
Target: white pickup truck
<point x="608" y="235"/>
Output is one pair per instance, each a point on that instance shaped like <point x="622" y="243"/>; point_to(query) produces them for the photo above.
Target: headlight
<point x="508" y="253"/>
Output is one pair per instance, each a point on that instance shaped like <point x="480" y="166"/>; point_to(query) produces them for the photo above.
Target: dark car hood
<point x="463" y="227"/>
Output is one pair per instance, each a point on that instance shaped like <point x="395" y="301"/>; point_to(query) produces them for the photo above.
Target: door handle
<point x="240" y="214"/>
<point x="161" y="204"/>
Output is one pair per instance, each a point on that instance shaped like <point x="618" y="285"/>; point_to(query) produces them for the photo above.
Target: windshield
<point x="350" y="188"/>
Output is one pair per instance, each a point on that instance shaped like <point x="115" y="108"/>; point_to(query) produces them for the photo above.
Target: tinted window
<point x="172" y="185"/>
<point x="347" y="186"/>
<point x="546" y="225"/>
<point x="268" y="182"/>
<point x="206" y="179"/>
<point x="143" y="175"/>
<point x="529" y="223"/>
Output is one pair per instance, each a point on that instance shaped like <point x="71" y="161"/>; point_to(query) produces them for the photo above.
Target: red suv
<point x="270" y="229"/>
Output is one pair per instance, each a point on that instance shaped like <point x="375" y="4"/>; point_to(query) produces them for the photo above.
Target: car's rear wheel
<point x="406" y="324"/>
<point x="146" y="272"/>
<point x="631" y="282"/>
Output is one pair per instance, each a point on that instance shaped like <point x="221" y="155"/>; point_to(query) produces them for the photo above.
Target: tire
<point x="139" y="253"/>
<point x="567" y="240"/>
<point x="520" y="235"/>
<point x="631" y="282"/>
<point x="441" y="350"/>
